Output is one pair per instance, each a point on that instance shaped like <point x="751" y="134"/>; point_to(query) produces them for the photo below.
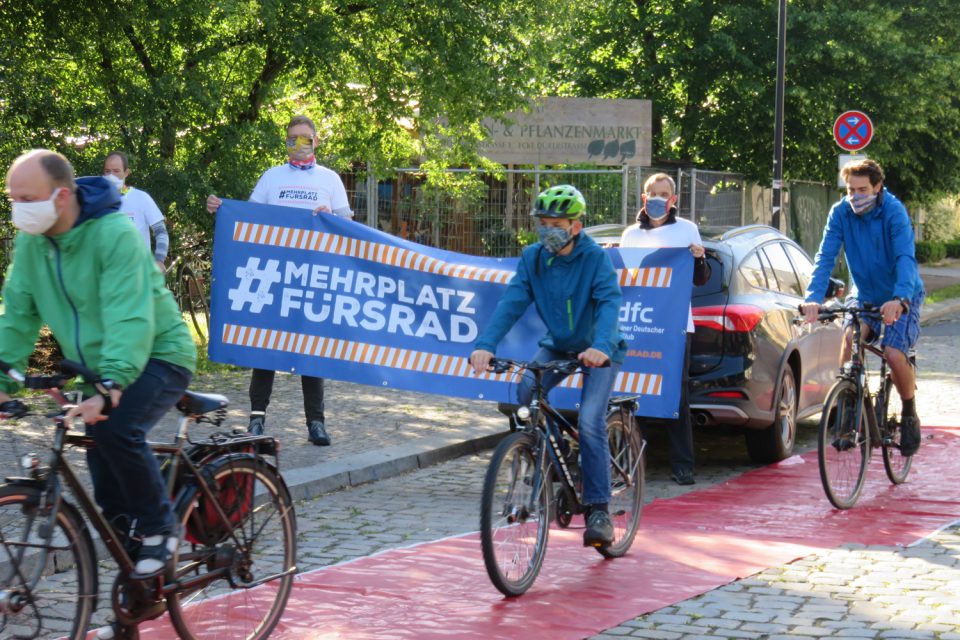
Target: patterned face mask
<point x="300" y="151"/>
<point x="862" y="202"/>
<point x="553" y="238"/>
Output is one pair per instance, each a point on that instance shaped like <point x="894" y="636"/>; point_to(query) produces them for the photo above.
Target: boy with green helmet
<point x="573" y="284"/>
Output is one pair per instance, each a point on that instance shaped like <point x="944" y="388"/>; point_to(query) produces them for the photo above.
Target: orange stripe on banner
<point x="255" y="338"/>
<point x="238" y="231"/>
<point x="297" y="236"/>
<point x="635" y="385"/>
<point x="364" y="353"/>
<point x="396" y="358"/>
<point x="242" y="338"/>
<point x="225" y="336"/>
<point x="659" y="383"/>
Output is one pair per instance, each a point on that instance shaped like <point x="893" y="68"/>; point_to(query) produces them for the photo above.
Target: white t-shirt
<point x="289" y="186"/>
<point x="142" y="211"/>
<point x="682" y="233"/>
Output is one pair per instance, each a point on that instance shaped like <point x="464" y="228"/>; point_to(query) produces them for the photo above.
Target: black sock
<point x="908" y="408"/>
<point x="598" y="507"/>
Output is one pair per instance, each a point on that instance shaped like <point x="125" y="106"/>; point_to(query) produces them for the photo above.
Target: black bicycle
<point x="186" y="282"/>
<point x="234" y="568"/>
<point x="855" y="420"/>
<point x="519" y="495"/>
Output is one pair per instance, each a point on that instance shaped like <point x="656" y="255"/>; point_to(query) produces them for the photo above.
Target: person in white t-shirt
<point x="658" y="226"/>
<point x="138" y="206"/>
<point x="303" y="184"/>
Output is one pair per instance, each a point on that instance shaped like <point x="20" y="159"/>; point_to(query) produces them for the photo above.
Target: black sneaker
<point x="599" y="531"/>
<point x="317" y="434"/>
<point x="257" y="421"/>
<point x="683" y="478"/>
<point x="155" y="555"/>
<point x="909" y="435"/>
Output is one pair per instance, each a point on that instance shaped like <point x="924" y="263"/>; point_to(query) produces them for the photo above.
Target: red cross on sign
<point x="853" y="130"/>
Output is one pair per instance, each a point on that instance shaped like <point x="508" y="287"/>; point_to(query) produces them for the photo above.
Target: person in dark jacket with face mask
<point x="873" y="228"/>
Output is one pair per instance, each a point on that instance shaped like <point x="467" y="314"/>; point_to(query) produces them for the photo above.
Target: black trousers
<point x="681" y="429"/>
<point x="261" y="386"/>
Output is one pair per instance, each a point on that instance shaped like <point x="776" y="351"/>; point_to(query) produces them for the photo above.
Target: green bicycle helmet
<point x="561" y="201"/>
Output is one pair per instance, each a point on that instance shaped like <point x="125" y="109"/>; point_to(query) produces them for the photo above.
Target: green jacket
<point x="99" y="290"/>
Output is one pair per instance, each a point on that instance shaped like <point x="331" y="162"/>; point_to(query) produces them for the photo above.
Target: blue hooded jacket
<point x="879" y="250"/>
<point x="577" y="296"/>
<point x="97" y="197"/>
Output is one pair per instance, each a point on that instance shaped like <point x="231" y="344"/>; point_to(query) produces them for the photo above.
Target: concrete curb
<point x="306" y="483"/>
<point x="936" y="311"/>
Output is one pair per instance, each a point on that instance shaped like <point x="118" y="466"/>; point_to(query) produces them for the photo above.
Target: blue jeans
<point x="594" y="397"/>
<point x="126" y="475"/>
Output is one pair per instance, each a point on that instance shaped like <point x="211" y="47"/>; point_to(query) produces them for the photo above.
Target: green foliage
<point x="197" y="91"/>
<point x="952" y="248"/>
<point x="941" y="219"/>
<point x="930" y="251"/>
<point x="709" y="68"/>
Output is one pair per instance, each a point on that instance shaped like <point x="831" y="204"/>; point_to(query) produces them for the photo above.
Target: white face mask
<point x="116" y="180"/>
<point x="35" y="217"/>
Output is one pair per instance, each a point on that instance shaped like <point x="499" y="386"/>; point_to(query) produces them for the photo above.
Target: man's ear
<point x="575" y="227"/>
<point x="671" y="201"/>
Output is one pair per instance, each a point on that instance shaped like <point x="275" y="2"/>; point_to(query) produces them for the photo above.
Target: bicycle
<point x="518" y="493"/>
<point x="237" y="548"/>
<point x="855" y="420"/>
<point x="189" y="292"/>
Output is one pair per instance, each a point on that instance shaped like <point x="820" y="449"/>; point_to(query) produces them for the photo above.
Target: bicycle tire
<point x="267" y="537"/>
<point x="627" y="478"/>
<point x="56" y="605"/>
<point x="193" y="302"/>
<point x="895" y="463"/>
<point x="515" y="514"/>
<point x="843" y="445"/>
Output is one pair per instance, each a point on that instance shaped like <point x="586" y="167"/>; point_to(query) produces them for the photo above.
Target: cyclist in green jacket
<point x="80" y="268"/>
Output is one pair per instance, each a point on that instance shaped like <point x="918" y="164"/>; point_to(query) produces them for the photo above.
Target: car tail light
<point x="738" y="395"/>
<point x="732" y="317"/>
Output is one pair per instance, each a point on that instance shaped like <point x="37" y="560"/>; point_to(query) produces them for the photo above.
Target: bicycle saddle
<point x="194" y="403"/>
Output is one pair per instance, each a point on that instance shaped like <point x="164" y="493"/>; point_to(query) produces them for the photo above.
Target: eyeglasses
<point x="292" y="141"/>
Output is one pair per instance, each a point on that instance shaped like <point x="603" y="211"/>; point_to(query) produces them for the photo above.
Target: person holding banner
<point x="303" y="184"/>
<point x="658" y="226"/>
<point x="573" y="284"/>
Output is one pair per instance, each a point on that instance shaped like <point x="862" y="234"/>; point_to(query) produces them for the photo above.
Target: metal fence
<point x="495" y="220"/>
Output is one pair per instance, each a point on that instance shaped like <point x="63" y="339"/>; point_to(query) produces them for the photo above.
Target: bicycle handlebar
<point x="564" y="366"/>
<point x="827" y="314"/>
<point x="69" y="368"/>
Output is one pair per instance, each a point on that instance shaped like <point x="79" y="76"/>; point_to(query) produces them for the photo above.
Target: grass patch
<point x="953" y="291"/>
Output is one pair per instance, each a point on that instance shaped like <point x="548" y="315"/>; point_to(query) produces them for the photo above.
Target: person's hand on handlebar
<point x="593" y="358"/>
<point x="480" y="361"/>
<point x="890" y="311"/>
<point x="91" y="409"/>
<point x="810" y="310"/>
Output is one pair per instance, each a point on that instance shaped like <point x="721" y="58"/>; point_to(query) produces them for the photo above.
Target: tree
<point x="709" y="68"/>
<point x="197" y="91"/>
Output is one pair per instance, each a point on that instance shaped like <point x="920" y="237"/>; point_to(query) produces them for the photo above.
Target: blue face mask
<point x="862" y="202"/>
<point x="553" y="238"/>
<point x="656" y="208"/>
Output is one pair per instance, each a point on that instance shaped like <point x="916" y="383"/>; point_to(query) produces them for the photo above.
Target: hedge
<point x="931" y="251"/>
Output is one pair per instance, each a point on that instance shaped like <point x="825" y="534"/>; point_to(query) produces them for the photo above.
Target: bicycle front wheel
<point x="514" y="515"/>
<point x="843" y="445"/>
<point x="194" y="303"/>
<point x="626" y="482"/>
<point x="48" y="582"/>
<point x="234" y="576"/>
<point x="895" y="463"/>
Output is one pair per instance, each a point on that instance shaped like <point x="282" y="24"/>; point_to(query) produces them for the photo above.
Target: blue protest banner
<point x="323" y="296"/>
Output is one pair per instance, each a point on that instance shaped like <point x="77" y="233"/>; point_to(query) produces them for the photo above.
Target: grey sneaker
<point x="257" y="420"/>
<point x="317" y="434"/>
<point x="599" y="531"/>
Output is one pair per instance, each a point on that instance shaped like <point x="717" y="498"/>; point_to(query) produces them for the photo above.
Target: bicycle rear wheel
<point x="514" y="515"/>
<point x="895" y="463"/>
<point x="234" y="585"/>
<point x="626" y="482"/>
<point x="193" y="302"/>
<point x="843" y="445"/>
<point x="48" y="584"/>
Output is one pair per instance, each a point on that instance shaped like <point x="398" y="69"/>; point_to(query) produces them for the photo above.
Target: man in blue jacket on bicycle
<point x="574" y="286"/>
<point x="873" y="228"/>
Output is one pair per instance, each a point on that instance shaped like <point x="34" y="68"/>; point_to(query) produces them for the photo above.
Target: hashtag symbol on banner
<point x="246" y="294"/>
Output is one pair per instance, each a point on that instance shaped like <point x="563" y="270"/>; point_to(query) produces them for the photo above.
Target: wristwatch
<point x="104" y="387"/>
<point x="903" y="303"/>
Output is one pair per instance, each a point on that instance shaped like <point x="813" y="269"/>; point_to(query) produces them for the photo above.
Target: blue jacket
<point x="577" y="297"/>
<point x="879" y="250"/>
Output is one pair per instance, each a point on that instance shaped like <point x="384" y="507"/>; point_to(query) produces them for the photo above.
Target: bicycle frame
<point x="858" y="374"/>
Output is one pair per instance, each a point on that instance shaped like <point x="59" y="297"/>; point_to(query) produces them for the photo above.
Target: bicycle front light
<point x="523" y="413"/>
<point x="29" y="461"/>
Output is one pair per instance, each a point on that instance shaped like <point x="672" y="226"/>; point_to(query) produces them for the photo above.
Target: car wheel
<point x="775" y="443"/>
